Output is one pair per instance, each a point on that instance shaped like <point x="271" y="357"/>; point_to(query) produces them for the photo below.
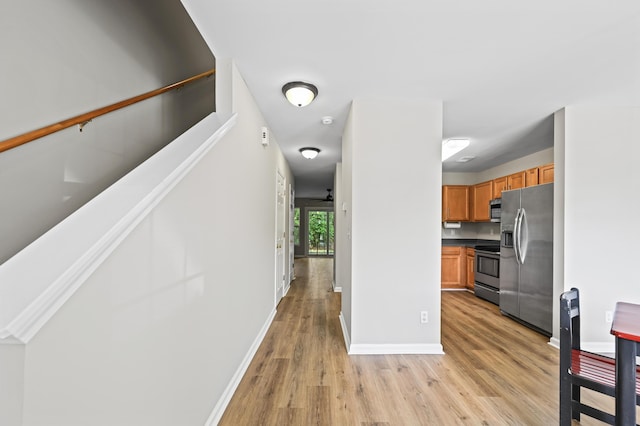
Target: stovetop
<point x="492" y="249"/>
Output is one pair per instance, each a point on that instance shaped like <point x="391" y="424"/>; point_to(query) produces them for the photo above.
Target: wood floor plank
<point x="494" y="371"/>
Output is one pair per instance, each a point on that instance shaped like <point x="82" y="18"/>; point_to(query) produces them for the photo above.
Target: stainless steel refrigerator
<point x="526" y="256"/>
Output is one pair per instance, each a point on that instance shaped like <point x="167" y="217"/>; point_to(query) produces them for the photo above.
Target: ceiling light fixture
<point x="309" y="153"/>
<point x="300" y="93"/>
<point x="453" y="146"/>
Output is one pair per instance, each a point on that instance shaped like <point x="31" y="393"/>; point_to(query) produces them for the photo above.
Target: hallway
<point x="494" y="372"/>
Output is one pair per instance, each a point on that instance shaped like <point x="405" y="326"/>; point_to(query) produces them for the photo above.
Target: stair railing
<point x="82" y="119"/>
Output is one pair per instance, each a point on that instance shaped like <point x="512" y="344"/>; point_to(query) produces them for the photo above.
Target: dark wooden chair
<point x="580" y="368"/>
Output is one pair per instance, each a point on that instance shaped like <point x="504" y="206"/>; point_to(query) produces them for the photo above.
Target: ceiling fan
<point x="328" y="198"/>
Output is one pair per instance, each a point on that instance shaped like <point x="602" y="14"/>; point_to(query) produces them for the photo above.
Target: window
<point x="296" y="226"/>
<point x="321" y="232"/>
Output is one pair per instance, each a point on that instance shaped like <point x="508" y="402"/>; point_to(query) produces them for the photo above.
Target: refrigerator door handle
<point x="523" y="236"/>
<point x="516" y="237"/>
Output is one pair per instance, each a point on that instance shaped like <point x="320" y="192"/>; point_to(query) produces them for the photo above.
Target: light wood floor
<point x="494" y="371"/>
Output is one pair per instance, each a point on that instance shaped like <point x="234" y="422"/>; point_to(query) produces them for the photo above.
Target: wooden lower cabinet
<point x="471" y="259"/>
<point x="454" y="268"/>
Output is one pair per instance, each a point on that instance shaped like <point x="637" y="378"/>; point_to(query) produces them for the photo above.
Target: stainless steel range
<point x="487" y="273"/>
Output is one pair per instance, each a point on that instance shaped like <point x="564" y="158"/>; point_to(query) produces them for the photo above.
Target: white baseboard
<point x="605" y="348"/>
<point x="387" y="349"/>
<point x="224" y="400"/>
<point x="337" y="288"/>
<point x="345" y="332"/>
<point x="599" y="347"/>
<point x="396" y="349"/>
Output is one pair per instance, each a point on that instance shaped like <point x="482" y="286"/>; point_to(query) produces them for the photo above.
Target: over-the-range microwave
<point x="495" y="206"/>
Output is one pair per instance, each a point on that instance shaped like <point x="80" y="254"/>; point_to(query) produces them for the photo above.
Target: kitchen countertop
<point x="465" y="242"/>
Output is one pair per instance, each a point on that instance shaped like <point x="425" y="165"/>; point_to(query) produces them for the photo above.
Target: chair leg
<point x="565" y="400"/>
<point x="575" y="395"/>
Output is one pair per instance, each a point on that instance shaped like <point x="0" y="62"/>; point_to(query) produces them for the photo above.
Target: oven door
<point x="488" y="269"/>
<point x="487" y="276"/>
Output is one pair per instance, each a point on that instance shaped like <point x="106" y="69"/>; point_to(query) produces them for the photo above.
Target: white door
<point x="280" y="235"/>
<point x="292" y="244"/>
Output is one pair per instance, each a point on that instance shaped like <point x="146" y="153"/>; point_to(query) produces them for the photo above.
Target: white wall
<point x="533" y="160"/>
<point x="558" y="219"/>
<point x="12" y="380"/>
<point x="339" y="213"/>
<point x="159" y="332"/>
<point x="344" y="246"/>
<point x="601" y="229"/>
<point x="396" y="244"/>
<point x="67" y="57"/>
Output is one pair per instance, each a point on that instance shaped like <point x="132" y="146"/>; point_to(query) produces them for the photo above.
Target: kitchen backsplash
<point x="479" y="230"/>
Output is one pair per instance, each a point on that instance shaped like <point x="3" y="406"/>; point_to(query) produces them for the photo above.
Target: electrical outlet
<point x="608" y="317"/>
<point x="424" y="317"/>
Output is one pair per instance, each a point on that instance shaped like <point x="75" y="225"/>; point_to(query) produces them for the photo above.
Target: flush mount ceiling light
<point x="309" y="153"/>
<point x="453" y="146"/>
<point x="300" y="93"/>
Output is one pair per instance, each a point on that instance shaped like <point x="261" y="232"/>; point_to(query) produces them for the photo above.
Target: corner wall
<point x="395" y="257"/>
<point x="601" y="230"/>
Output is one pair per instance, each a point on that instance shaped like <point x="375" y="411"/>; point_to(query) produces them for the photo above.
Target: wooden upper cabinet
<point x="499" y="185"/>
<point x="455" y="203"/>
<point x="481" y="194"/>
<point x="545" y="174"/>
<point x="531" y="177"/>
<point x="516" y="180"/>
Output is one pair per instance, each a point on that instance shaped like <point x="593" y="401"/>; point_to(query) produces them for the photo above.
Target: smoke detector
<point x="465" y="158"/>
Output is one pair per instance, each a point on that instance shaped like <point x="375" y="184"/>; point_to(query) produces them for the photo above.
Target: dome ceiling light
<point x="300" y="93"/>
<point x="309" y="153"/>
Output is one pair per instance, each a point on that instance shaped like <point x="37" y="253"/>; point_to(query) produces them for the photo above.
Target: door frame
<point x="307" y="210"/>
<point x="280" y="237"/>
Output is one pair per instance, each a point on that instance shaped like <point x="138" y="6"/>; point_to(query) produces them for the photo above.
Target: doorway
<point x="320" y="232"/>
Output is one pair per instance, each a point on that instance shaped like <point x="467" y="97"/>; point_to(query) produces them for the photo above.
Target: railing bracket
<point x="84" y="123"/>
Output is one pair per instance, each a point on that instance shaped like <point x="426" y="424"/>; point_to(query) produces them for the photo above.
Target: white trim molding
<point x="603" y="348"/>
<point x="345" y="332"/>
<point x="71" y="251"/>
<point x="224" y="400"/>
<point x="396" y="349"/>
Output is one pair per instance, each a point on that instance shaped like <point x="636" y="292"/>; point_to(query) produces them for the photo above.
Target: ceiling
<point x="500" y="67"/>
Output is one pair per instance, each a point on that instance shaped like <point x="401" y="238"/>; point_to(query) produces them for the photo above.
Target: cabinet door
<point x="482" y="193"/>
<point x="453" y="270"/>
<point x="516" y="180"/>
<point x="545" y="173"/>
<point x="499" y="185"/>
<point x="531" y="177"/>
<point x="471" y="258"/>
<point x="455" y="203"/>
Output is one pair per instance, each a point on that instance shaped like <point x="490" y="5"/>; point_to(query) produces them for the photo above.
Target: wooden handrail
<point x="88" y="116"/>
